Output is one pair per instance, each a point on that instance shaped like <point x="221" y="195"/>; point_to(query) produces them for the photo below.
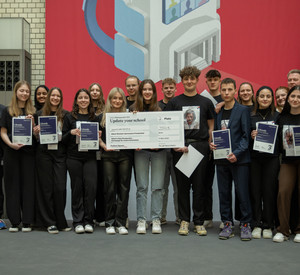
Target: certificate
<point x="206" y="94"/>
<point x="189" y="161"/>
<point x="266" y="137"/>
<point x="22" y="131"/>
<point x="296" y="131"/>
<point x="288" y="140"/>
<point x="221" y="139"/>
<point x="144" y="130"/>
<point x="48" y="129"/>
<point x="89" y="136"/>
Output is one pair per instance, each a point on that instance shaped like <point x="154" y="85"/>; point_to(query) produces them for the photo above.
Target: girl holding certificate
<point x="117" y="166"/>
<point x="98" y="103"/>
<point x="289" y="174"/>
<point x="81" y="164"/>
<point x="51" y="169"/>
<point x="146" y="101"/>
<point x="19" y="161"/>
<point x="264" y="169"/>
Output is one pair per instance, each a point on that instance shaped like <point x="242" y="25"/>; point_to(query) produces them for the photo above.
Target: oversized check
<point x="144" y="130"/>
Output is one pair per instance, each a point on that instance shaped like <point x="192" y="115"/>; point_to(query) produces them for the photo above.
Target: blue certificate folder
<point x="48" y="125"/>
<point x="89" y="131"/>
<point x="221" y="139"/>
<point x="266" y="133"/>
<point x="22" y="131"/>
<point x="296" y="131"/>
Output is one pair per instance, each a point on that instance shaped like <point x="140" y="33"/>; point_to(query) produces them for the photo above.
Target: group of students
<point x="35" y="176"/>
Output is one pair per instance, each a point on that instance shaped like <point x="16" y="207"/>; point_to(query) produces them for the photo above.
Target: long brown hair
<point x="14" y="109"/>
<point x="108" y="108"/>
<point x="140" y="104"/>
<point x="75" y="108"/>
<point x="100" y="102"/>
<point x="60" y="112"/>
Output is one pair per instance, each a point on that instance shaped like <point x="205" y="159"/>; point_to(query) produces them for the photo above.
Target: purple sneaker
<point x="226" y="232"/>
<point x="246" y="234"/>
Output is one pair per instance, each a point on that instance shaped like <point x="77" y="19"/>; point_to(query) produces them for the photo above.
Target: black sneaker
<point x="52" y="229"/>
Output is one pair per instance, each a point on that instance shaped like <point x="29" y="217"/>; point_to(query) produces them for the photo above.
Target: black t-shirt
<point x="162" y="105"/>
<point x="70" y="140"/>
<point x="263" y="115"/>
<point x="129" y="102"/>
<point x="218" y="98"/>
<point x="6" y="122"/>
<point x="199" y="109"/>
<point x="285" y="121"/>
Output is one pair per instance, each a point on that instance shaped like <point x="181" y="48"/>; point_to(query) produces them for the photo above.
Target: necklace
<point x="263" y="116"/>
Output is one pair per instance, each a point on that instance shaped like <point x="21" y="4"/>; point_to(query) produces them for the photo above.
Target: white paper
<point x="189" y="161"/>
<point x="206" y="94"/>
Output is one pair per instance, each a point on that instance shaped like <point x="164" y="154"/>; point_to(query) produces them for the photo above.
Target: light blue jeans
<point x="143" y="160"/>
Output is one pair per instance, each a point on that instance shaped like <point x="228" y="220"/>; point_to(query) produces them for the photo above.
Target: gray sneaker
<point x="246" y="234"/>
<point x="226" y="232"/>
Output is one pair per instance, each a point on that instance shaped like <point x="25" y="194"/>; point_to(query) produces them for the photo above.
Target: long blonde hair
<point x="108" y="107"/>
<point x="14" y="109"/>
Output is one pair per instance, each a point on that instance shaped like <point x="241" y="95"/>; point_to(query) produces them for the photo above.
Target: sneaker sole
<point x="226" y="238"/>
<point x="246" y="239"/>
<point x="156" y="232"/>
<point x="140" y="232"/>
<point x="202" y="234"/>
<point x="183" y="234"/>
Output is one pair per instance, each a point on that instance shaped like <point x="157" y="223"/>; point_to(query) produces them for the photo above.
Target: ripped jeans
<point x="143" y="160"/>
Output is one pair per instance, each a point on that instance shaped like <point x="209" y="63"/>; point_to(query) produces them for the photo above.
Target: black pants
<point x="117" y="167"/>
<point x="100" y="203"/>
<point x="51" y="188"/>
<point x="83" y="174"/>
<point x="19" y="180"/>
<point x="1" y="191"/>
<point x="263" y="187"/>
<point x="197" y="182"/>
<point x="208" y="213"/>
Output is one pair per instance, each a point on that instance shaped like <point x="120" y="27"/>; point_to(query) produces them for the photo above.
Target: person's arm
<point x="219" y="106"/>
<point x="211" y="124"/>
<point x="6" y="139"/>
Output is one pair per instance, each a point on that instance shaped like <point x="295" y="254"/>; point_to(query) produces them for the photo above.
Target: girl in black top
<point x="19" y="162"/>
<point x="82" y="165"/>
<point x="52" y="169"/>
<point x="40" y="96"/>
<point x="117" y="166"/>
<point x="264" y="169"/>
<point x="289" y="174"/>
<point x="98" y="103"/>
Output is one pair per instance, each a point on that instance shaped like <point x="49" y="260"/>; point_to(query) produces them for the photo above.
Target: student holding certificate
<point x="264" y="169"/>
<point x="81" y="164"/>
<point x="146" y="101"/>
<point x="117" y="166"/>
<point x="51" y="167"/>
<point x="98" y="103"/>
<point x="19" y="161"/>
<point x="289" y="170"/>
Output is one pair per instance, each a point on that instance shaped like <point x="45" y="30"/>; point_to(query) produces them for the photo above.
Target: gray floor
<point x="68" y="253"/>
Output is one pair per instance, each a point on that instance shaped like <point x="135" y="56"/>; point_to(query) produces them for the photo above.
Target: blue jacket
<point x="240" y="129"/>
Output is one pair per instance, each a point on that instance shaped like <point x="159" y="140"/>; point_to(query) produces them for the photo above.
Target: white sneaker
<point x="89" y="228"/>
<point x="256" y="233"/>
<point x="221" y="226"/>
<point x="122" y="230"/>
<point x="297" y="238"/>
<point x="279" y="238"/>
<point x="208" y="224"/>
<point x="79" y="229"/>
<point x="267" y="233"/>
<point x="141" y="227"/>
<point x="26" y="229"/>
<point x="102" y="224"/>
<point x="156" y="228"/>
<point x="110" y="230"/>
<point x="13" y="229"/>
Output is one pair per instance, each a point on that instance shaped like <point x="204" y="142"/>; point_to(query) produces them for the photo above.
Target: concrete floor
<point x="168" y="253"/>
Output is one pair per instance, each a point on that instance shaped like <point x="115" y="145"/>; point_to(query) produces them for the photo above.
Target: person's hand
<point x="212" y="146"/>
<point x="254" y="134"/>
<point x="232" y="158"/>
<point x="16" y="146"/>
<point x="36" y="130"/>
<point x="32" y="118"/>
<point x="75" y="132"/>
<point x="182" y="149"/>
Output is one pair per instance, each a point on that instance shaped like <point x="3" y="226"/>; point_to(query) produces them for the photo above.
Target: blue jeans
<point x="157" y="161"/>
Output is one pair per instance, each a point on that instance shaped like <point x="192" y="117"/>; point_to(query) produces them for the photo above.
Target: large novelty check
<point x="144" y="130"/>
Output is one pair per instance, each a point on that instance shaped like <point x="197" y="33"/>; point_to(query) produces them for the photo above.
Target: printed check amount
<point x="144" y="130"/>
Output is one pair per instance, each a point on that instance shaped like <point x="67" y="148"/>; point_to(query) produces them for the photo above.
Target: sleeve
<point x="211" y="111"/>
<point x="245" y="135"/>
<point x="4" y="118"/>
<point x="66" y="130"/>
